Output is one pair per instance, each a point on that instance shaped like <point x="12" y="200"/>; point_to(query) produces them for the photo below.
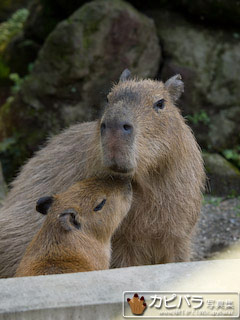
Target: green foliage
<point x="17" y="82"/>
<point x="200" y="116"/>
<point x="12" y="27"/>
<point x="232" y="195"/>
<point x="233" y="155"/>
<point x="215" y="201"/>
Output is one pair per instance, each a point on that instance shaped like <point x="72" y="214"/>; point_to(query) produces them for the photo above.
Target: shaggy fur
<point x="160" y="154"/>
<point x="62" y="247"/>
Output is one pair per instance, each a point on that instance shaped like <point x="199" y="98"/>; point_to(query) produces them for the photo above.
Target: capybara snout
<point x="77" y="231"/>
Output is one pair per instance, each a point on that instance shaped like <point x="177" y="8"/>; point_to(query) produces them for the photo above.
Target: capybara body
<point x="76" y="234"/>
<point x="140" y="135"/>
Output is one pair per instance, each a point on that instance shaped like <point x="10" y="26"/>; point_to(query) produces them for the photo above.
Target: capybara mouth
<point x="122" y="170"/>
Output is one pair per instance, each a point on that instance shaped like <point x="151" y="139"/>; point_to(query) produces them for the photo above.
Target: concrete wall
<point x="98" y="295"/>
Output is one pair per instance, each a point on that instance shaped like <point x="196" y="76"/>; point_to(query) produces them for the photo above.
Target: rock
<point x="42" y="19"/>
<point x="209" y="61"/>
<point x="75" y="70"/>
<point x="224" y="129"/>
<point x="3" y="187"/>
<point x="45" y="14"/>
<point x="224" y="178"/>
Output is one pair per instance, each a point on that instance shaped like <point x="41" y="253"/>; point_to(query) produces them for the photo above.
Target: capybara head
<point x="94" y="207"/>
<point x="140" y="123"/>
<point x="77" y="231"/>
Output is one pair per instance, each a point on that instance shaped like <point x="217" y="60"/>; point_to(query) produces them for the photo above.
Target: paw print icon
<point x="137" y="305"/>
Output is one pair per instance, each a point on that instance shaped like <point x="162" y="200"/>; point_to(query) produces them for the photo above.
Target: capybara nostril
<point x="127" y="128"/>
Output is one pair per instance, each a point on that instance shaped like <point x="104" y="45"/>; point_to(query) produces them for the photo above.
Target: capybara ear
<point x="68" y="220"/>
<point x="175" y="86"/>
<point x="126" y="74"/>
<point x="43" y="204"/>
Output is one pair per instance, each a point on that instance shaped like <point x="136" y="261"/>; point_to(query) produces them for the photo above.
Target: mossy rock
<point x="224" y="178"/>
<point x="209" y="62"/>
<point x="43" y="17"/>
<point x="75" y="70"/>
<point x="224" y="130"/>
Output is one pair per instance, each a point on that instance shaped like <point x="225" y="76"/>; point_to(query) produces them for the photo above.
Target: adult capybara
<point x="76" y="234"/>
<point x="140" y="135"/>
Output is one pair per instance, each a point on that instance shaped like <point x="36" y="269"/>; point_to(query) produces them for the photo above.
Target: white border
<point x="181" y="317"/>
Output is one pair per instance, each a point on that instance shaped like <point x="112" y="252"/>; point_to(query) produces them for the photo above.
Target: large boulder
<point x="45" y="14"/>
<point x="224" y="178"/>
<point x="43" y="17"/>
<point x="75" y="70"/>
<point x="209" y="61"/>
<point x="224" y="129"/>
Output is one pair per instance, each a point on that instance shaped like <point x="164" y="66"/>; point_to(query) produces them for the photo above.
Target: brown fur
<point x="161" y="155"/>
<point x="61" y="247"/>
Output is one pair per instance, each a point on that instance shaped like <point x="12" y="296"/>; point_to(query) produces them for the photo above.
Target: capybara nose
<point x="124" y="127"/>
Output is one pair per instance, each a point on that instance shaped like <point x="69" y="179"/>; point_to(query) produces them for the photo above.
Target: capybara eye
<point x="100" y="205"/>
<point x="160" y="104"/>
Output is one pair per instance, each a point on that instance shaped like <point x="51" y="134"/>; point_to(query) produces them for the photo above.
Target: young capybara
<point x="142" y="135"/>
<point x="76" y="234"/>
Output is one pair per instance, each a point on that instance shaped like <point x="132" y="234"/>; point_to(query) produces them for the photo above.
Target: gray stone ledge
<point x="98" y="294"/>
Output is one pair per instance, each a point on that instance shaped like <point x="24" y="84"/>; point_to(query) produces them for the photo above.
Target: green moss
<point x="212" y="200"/>
<point x="5" y="108"/>
<point x="12" y="27"/>
<point x="198" y="117"/>
<point x="90" y="16"/>
<point x="233" y="155"/>
<point x="17" y="80"/>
